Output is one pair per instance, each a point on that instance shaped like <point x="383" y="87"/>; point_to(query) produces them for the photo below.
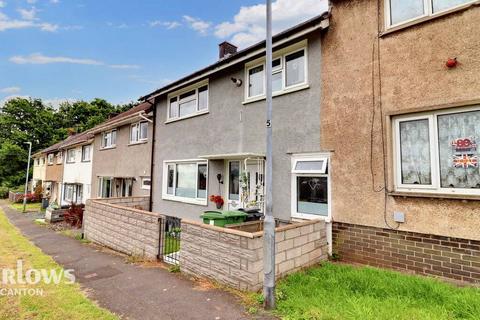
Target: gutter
<point x="118" y="123"/>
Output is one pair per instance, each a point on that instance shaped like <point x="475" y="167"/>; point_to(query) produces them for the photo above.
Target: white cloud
<point x="56" y="102"/>
<point x="10" y="90"/>
<point x="167" y="24"/>
<point x="197" y="24"/>
<point x="28" y="14"/>
<point x="124" y="66"/>
<point x="28" y="21"/>
<point x="38" y="58"/>
<point x="248" y="25"/>
<point x="2" y="4"/>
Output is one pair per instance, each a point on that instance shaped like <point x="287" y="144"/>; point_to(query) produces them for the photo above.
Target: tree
<point x="23" y="120"/>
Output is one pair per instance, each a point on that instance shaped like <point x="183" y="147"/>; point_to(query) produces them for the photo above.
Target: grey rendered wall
<point x="124" y="160"/>
<point x="231" y="127"/>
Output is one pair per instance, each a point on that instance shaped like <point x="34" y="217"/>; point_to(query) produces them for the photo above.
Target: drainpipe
<point x="152" y="165"/>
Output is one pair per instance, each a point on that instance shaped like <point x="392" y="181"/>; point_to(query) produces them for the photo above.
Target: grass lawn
<point x="171" y="244"/>
<point x="31" y="207"/>
<point x="63" y="301"/>
<point x="336" y="291"/>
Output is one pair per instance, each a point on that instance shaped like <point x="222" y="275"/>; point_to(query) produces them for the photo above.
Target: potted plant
<point x="218" y="200"/>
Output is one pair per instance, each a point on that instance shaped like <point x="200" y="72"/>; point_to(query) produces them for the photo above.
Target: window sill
<point x="428" y="18"/>
<point x="107" y="148"/>
<point x="185" y="200"/>
<point x="137" y="143"/>
<point x="405" y="194"/>
<point x="311" y="217"/>
<point x="187" y="117"/>
<point x="279" y="93"/>
<point x="86" y="161"/>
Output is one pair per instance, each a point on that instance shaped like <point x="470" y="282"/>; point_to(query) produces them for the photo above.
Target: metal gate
<point x="170" y="234"/>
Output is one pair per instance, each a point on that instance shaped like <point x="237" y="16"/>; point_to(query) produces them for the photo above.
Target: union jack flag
<point x="465" y="161"/>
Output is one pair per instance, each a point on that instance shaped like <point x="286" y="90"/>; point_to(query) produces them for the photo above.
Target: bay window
<point x="139" y="132"/>
<point x="188" y="103"/>
<point x="437" y="152"/>
<point x="186" y="181"/>
<point x="289" y="71"/>
<point x="403" y="11"/>
<point x="310" y="186"/>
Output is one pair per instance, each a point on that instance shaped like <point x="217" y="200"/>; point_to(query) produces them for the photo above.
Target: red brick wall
<point x="424" y="254"/>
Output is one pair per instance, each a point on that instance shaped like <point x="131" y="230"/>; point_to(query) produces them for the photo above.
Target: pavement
<point x="128" y="290"/>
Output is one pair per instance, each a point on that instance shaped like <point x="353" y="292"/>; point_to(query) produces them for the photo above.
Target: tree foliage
<point x="30" y="120"/>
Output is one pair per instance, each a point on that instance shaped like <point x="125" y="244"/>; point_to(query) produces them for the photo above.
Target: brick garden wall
<point x="235" y="257"/>
<point x="425" y="254"/>
<point x="122" y="227"/>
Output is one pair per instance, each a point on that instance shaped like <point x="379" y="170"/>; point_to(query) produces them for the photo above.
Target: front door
<point x="233" y="185"/>
<point x="245" y="184"/>
<point x="253" y="192"/>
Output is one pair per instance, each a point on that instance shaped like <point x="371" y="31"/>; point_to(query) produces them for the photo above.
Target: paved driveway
<point x="132" y="291"/>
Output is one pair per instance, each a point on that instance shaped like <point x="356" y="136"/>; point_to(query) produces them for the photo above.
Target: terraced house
<point x="77" y="169"/>
<point x="122" y="151"/>
<point x="401" y="113"/>
<point x="210" y="132"/>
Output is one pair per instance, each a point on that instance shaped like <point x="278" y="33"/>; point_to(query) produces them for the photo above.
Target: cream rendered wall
<point x="78" y="172"/>
<point x="39" y="171"/>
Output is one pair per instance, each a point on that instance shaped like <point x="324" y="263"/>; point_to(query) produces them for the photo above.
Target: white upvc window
<point x="105" y="187"/>
<point x="436" y="152"/>
<point x="60" y="157"/>
<point x="398" y="12"/>
<point x="71" y="155"/>
<point x="87" y="153"/>
<point x="186" y="181"/>
<point x="139" y="132"/>
<point x="146" y="183"/>
<point x="109" y="139"/>
<point x="311" y="195"/>
<point x="50" y="158"/>
<point x="188" y="102"/>
<point x="289" y="72"/>
<point x="73" y="193"/>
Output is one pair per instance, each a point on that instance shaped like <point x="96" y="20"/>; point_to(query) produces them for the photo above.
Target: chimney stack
<point x="226" y="49"/>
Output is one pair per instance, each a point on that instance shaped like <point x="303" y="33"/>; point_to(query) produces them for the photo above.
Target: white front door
<point x="254" y="191"/>
<point x="244" y="184"/>
<point x="233" y="185"/>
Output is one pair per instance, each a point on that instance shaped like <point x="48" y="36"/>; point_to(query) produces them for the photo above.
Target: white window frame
<point x="427" y="9"/>
<point x="69" y="153"/>
<point x="112" y="145"/>
<point x="176" y="95"/>
<point x="100" y="187"/>
<point x="310" y="173"/>
<point x="60" y="157"/>
<point x="138" y="138"/>
<point x="280" y="54"/>
<point x="50" y="158"/>
<point x="143" y="186"/>
<point x="435" y="187"/>
<point x="89" y="153"/>
<point x="166" y="196"/>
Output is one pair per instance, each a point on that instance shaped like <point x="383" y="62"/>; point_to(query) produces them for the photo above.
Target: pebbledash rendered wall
<point x="235" y="257"/>
<point x="122" y="224"/>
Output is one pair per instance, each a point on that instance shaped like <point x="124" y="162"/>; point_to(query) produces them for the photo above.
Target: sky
<point x="119" y="50"/>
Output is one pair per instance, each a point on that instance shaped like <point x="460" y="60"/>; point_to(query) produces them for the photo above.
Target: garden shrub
<point x="74" y="215"/>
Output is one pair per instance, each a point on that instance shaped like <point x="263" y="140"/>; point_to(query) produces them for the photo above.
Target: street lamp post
<point x="26" y="179"/>
<point x="269" y="223"/>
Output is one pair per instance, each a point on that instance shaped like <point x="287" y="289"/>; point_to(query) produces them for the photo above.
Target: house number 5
<point x="269" y="123"/>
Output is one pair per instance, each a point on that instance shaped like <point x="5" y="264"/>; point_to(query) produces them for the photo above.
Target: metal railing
<point x="169" y="240"/>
